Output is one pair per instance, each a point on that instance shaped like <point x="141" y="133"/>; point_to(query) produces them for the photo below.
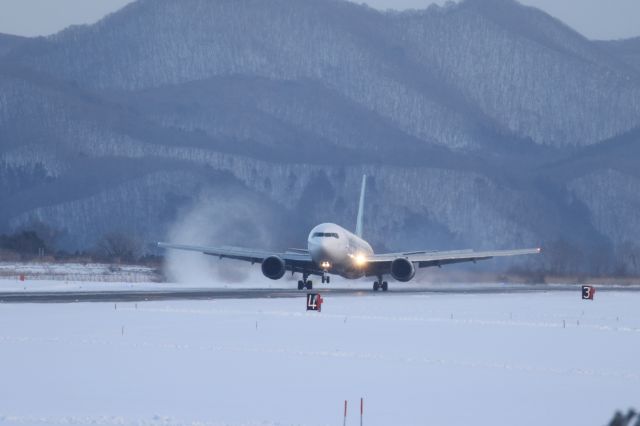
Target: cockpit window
<point x="325" y="235"/>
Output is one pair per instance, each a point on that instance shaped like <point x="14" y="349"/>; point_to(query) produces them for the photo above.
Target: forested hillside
<point x="483" y="124"/>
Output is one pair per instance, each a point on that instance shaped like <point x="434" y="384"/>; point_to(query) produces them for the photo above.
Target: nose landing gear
<point x="326" y="279"/>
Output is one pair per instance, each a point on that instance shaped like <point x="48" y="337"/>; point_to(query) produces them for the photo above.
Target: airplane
<point x="333" y="250"/>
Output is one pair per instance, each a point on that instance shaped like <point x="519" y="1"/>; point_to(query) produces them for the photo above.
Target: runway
<point x="214" y="294"/>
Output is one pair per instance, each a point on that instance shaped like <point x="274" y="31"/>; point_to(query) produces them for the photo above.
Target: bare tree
<point x="119" y="246"/>
<point x="628" y="255"/>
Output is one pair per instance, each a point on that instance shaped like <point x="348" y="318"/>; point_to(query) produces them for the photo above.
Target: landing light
<point x="359" y="260"/>
<point x="325" y="265"/>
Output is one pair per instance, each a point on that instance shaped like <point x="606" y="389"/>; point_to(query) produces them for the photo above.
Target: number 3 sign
<point x="588" y="292"/>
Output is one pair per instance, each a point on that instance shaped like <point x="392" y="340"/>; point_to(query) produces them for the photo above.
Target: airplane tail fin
<point x="361" y="207"/>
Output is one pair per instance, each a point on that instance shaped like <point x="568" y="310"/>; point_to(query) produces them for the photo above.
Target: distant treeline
<point x="40" y="244"/>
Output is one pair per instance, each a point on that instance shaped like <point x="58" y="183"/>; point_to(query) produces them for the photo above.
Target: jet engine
<point x="402" y="270"/>
<point x="273" y="267"/>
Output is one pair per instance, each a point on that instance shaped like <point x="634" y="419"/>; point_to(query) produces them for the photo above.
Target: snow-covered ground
<point x="42" y="285"/>
<point x="506" y="359"/>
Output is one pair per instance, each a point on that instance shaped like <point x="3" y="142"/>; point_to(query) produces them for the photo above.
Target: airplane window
<point x="325" y="234"/>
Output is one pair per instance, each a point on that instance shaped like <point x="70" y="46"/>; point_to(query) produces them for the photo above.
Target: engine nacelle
<point x="273" y="267"/>
<point x="402" y="270"/>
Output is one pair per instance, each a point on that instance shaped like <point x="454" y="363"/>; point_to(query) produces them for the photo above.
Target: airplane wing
<point x="296" y="260"/>
<point x="425" y="259"/>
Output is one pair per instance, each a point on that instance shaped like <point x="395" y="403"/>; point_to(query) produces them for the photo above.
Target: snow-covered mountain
<point x="482" y="124"/>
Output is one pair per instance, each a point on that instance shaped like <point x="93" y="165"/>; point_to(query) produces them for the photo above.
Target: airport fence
<point x="106" y="278"/>
<point x="79" y="272"/>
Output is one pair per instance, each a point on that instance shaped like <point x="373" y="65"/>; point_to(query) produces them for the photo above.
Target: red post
<point x="21" y="277"/>
<point x="345" y="413"/>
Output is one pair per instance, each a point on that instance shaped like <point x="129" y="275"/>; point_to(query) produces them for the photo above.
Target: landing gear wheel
<point x="376" y="286"/>
<point x="385" y="286"/>
<point x="300" y="285"/>
<point x="328" y="279"/>
<point x="309" y="285"/>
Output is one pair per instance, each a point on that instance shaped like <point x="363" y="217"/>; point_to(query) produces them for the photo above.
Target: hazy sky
<point x="597" y="19"/>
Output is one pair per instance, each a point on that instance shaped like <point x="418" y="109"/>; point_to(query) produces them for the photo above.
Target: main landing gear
<point x="380" y="285"/>
<point x="302" y="284"/>
<point x="305" y="283"/>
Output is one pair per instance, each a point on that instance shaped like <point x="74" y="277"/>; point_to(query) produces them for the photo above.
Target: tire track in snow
<point x="447" y="320"/>
<point x="120" y="421"/>
<point x="337" y="354"/>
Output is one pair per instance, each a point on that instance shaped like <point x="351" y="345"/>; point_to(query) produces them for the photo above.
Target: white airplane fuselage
<point x="338" y="251"/>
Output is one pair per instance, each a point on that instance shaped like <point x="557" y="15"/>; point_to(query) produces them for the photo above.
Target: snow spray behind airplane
<point x="217" y="219"/>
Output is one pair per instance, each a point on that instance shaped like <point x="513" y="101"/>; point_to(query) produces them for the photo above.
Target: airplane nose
<point x="319" y="251"/>
<point x="323" y="252"/>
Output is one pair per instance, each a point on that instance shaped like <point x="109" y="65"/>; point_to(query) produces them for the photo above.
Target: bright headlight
<point x="359" y="259"/>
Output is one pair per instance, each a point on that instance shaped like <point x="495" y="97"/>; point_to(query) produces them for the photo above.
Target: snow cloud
<point x="219" y="219"/>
